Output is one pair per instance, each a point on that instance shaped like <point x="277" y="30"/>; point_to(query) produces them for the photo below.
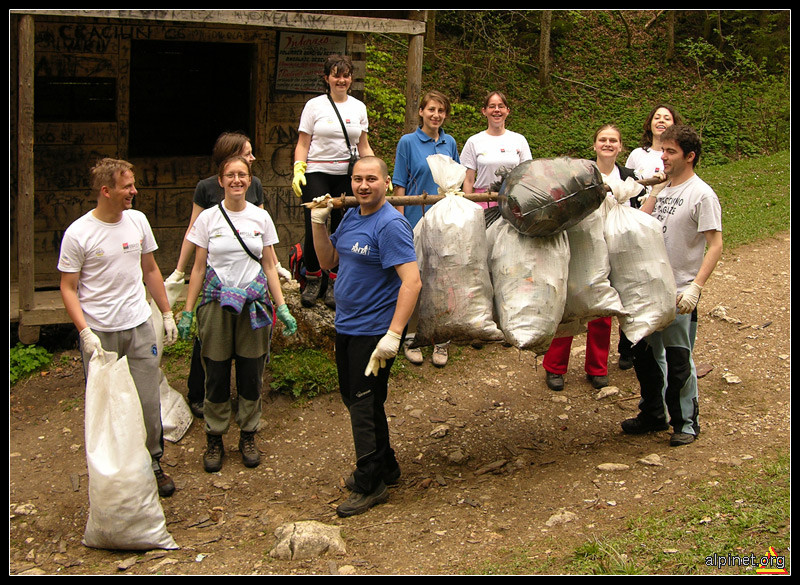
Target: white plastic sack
<point x="529" y="276"/>
<point x="589" y="291"/>
<point x="124" y="509"/>
<point x="455" y="302"/>
<point x="640" y="269"/>
<point x="176" y="416"/>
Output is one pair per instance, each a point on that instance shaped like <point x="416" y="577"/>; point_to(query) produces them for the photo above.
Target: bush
<point x="26" y="359"/>
<point x="303" y="373"/>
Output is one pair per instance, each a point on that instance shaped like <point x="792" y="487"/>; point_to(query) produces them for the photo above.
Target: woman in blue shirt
<point x="412" y="176"/>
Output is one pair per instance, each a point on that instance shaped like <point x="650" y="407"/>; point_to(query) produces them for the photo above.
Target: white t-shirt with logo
<point x="685" y="212"/>
<point x="486" y="154"/>
<point x="108" y="257"/>
<point x="328" y="152"/>
<point x="233" y="265"/>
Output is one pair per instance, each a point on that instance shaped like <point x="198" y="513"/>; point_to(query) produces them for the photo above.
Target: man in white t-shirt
<point x="106" y="259"/>
<point x="691" y="220"/>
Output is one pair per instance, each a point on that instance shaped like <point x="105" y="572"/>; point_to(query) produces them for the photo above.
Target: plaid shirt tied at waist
<point x="233" y="299"/>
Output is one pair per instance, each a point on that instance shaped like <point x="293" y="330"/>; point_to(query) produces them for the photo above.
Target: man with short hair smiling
<point x="376" y="292"/>
<point x="691" y="220"/>
<point x="105" y="256"/>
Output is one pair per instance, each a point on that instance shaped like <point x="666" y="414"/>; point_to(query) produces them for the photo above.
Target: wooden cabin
<point x="156" y="87"/>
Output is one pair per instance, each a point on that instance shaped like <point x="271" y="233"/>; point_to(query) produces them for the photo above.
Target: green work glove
<point x="289" y="323"/>
<point x="185" y="324"/>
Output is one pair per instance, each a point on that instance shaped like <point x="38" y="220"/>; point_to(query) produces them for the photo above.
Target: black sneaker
<point x="678" y="439"/>
<point x="389" y="478"/>
<point x="312" y="290"/>
<point x="166" y="487"/>
<point x="597" y="382"/>
<point x="637" y="426"/>
<point x="359" y="503"/>
<point x="215" y="451"/>
<point x="330" y="300"/>
<point x="251" y="457"/>
<point x="555" y="382"/>
<point x="196" y="408"/>
<point x="625" y="362"/>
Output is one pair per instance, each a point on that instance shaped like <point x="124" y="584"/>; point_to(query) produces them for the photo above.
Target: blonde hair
<point x="106" y="171"/>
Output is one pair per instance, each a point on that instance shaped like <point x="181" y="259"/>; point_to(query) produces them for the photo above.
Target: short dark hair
<point x="687" y="138"/>
<point x="228" y="144"/>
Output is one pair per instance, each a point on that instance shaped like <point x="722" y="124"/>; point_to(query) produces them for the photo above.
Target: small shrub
<point x="303" y="373"/>
<point x="26" y="359"/>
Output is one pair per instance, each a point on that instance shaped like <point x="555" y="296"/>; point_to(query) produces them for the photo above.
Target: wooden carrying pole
<point x="425" y="199"/>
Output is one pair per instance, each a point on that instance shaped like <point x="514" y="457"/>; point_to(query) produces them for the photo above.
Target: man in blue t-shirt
<point x="376" y="291"/>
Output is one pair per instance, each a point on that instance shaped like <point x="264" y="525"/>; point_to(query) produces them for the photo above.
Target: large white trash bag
<point x="529" y="276"/>
<point x="640" y="269"/>
<point x="455" y="302"/>
<point x="176" y="417"/>
<point x="124" y="509"/>
<point x="589" y="291"/>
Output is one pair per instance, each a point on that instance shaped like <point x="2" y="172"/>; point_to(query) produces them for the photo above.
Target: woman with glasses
<point x="232" y="279"/>
<point x="492" y="149"/>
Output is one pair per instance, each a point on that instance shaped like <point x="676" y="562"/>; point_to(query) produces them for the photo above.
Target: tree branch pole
<point x="342" y="201"/>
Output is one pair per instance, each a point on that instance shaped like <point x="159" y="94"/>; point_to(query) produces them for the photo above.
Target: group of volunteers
<point x="362" y="262"/>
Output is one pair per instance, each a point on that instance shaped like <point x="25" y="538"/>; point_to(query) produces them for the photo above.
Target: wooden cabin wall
<point x="65" y="151"/>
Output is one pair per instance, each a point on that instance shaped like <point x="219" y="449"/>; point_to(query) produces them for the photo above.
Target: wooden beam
<point x="25" y="164"/>
<point x="277" y="19"/>
<point x="416" y="46"/>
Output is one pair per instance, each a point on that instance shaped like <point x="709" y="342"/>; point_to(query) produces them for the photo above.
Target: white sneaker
<point x="439" y="357"/>
<point x="413" y="355"/>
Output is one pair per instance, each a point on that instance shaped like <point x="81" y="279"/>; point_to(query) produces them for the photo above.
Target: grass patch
<point x="303" y="372"/>
<point x="755" y="197"/>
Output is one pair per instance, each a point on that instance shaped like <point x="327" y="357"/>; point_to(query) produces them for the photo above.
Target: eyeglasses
<point x="239" y="176"/>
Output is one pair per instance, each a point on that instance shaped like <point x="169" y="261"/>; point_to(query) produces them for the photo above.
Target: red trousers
<point x="598" y="340"/>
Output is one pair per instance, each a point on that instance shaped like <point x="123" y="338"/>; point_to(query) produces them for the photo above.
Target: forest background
<point x="567" y="72"/>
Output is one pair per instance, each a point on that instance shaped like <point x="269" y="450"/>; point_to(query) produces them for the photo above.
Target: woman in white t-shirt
<point x="646" y="160"/>
<point x="492" y="149"/>
<point x="232" y="279"/>
<point x="322" y="159"/>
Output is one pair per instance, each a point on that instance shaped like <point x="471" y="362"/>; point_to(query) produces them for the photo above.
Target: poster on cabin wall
<point x="301" y="57"/>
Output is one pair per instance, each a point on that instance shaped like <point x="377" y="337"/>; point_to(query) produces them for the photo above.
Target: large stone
<point x="305" y="540"/>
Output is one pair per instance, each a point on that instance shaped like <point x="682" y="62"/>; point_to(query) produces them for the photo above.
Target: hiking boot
<point x="389" y="478"/>
<point x="251" y="456"/>
<point x="597" y="382"/>
<point x="359" y="503"/>
<point x="678" y="439"/>
<point x="439" y="357"/>
<point x="330" y="300"/>
<point x="637" y="426"/>
<point x="196" y="408"/>
<point x="313" y="287"/>
<point x="215" y="451"/>
<point x="554" y="381"/>
<point x="625" y="362"/>
<point x="413" y="354"/>
<point x="166" y="487"/>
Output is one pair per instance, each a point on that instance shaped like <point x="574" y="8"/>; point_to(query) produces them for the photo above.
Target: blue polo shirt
<point x="411" y="170"/>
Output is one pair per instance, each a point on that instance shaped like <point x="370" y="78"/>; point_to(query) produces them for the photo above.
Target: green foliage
<point x="734" y="89"/>
<point x="303" y="373"/>
<point x="26" y="359"/>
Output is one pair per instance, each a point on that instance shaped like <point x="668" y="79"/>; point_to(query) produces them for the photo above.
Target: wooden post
<point x="416" y="45"/>
<point x="25" y="183"/>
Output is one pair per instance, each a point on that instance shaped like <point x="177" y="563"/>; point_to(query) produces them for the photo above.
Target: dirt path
<point x="512" y="455"/>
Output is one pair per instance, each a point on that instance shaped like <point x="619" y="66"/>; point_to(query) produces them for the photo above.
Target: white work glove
<point x="89" y="341"/>
<point x="170" y="329"/>
<point x="385" y="350"/>
<point x="687" y="300"/>
<point x="624" y="190"/>
<point x="321" y="214"/>
<point x="176" y="276"/>
<point x="283" y="273"/>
